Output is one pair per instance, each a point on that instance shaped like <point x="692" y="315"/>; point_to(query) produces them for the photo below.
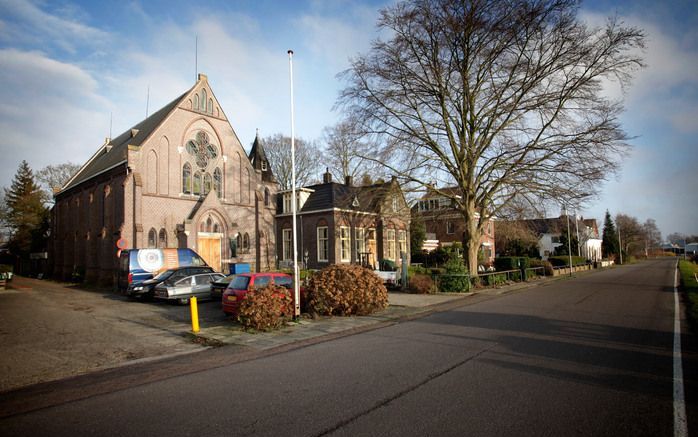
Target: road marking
<point x="680" y="429"/>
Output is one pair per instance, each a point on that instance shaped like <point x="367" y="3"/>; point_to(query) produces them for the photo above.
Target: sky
<point x="70" y="70"/>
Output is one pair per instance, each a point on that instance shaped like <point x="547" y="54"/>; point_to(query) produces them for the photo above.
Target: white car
<point x="198" y="286"/>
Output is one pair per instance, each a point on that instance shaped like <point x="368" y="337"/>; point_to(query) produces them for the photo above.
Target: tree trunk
<point x="471" y="239"/>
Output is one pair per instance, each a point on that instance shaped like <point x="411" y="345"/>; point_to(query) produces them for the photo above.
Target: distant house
<point x="344" y="223"/>
<point x="444" y="225"/>
<point x="549" y="231"/>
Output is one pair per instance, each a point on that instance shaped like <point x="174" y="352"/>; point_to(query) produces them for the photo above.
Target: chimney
<point x="327" y="176"/>
<point x="348" y="181"/>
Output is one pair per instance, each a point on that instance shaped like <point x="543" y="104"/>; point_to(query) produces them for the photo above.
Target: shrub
<point x="564" y="260"/>
<point x="540" y="263"/>
<point x="266" y="309"/>
<point x="511" y="262"/>
<point x="450" y="282"/>
<point x="497" y="279"/>
<point x="346" y="290"/>
<point x="422" y="284"/>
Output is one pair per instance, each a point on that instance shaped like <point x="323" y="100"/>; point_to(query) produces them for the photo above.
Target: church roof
<point x="115" y="152"/>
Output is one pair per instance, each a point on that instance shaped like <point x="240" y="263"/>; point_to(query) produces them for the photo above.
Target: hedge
<point x="511" y="262"/>
<point x="564" y="260"/>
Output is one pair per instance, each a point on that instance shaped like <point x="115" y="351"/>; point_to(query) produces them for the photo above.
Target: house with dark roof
<point x="444" y="225"/>
<point x="549" y="232"/>
<point x="178" y="179"/>
<point x="344" y="223"/>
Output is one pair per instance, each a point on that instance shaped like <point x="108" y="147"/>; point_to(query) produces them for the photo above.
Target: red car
<point x="240" y="284"/>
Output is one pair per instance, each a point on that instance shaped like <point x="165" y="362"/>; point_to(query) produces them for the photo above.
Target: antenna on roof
<point x="111" y="116"/>
<point x="147" y="101"/>
<point x="196" y="59"/>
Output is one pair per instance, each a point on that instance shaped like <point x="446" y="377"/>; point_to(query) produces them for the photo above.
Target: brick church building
<point x="178" y="179"/>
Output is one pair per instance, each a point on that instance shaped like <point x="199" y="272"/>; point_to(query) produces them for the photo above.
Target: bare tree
<point x="632" y="234"/>
<point x="653" y="238"/>
<point x="350" y="153"/>
<point x="501" y="99"/>
<point x="53" y="177"/>
<point x="278" y="151"/>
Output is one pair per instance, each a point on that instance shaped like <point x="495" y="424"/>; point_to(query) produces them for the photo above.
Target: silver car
<point x="198" y="286"/>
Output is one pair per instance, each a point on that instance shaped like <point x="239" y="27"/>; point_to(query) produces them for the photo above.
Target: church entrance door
<point x="209" y="246"/>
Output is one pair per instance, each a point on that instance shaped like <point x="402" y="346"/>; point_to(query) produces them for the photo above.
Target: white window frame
<point x="401" y="242"/>
<point x="287" y="244"/>
<point x="287" y="203"/>
<point x="345" y="243"/>
<point x="322" y="244"/>
<point x="390" y="253"/>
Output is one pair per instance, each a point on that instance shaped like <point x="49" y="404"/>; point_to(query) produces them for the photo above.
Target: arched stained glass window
<point x="197" y="183"/>
<point x="162" y="239"/>
<point x="207" y="183"/>
<point x="218" y="182"/>
<point x="196" y="101"/>
<point x="239" y="241"/>
<point x="210" y="106"/>
<point x="203" y="99"/>
<point x="209" y="224"/>
<point x="186" y="178"/>
<point x="152" y="238"/>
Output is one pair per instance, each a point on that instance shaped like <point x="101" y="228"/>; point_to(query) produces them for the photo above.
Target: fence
<point x="456" y="282"/>
<point x="565" y="270"/>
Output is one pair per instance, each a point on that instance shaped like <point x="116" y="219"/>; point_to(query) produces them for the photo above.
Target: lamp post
<point x="296" y="273"/>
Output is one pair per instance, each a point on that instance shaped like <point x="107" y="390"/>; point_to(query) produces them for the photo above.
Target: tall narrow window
<point x="359" y="243"/>
<point x="152" y="238"/>
<point x="266" y="197"/>
<point x="247" y="187"/>
<point x="162" y="239"/>
<point x="450" y="228"/>
<point x="210" y="106"/>
<point x="322" y="244"/>
<point x="246" y="242"/>
<point x="287" y="203"/>
<point x="218" y="182"/>
<point x="401" y="242"/>
<point x="390" y="252"/>
<point x="196" y="102"/>
<point x="287" y="244"/>
<point x="345" y="243"/>
<point x="203" y="99"/>
<point x="208" y="183"/>
<point x="197" y="183"/>
<point x="186" y="179"/>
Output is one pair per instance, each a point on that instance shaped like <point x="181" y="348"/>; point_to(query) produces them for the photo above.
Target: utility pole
<point x="620" y="245"/>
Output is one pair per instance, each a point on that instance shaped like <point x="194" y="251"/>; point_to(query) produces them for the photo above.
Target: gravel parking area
<point x="49" y="331"/>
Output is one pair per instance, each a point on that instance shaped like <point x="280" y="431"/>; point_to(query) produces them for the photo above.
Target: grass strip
<point x="689" y="285"/>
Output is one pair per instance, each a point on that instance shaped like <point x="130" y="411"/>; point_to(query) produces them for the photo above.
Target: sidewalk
<point x="402" y="306"/>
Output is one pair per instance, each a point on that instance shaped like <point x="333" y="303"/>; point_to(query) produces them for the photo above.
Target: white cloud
<point x="31" y="24"/>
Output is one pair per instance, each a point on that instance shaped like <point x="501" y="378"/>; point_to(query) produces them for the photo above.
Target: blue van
<point x="138" y="265"/>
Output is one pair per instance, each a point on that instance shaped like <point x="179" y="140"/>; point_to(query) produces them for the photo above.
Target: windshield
<point x="239" y="283"/>
<point x="164" y="275"/>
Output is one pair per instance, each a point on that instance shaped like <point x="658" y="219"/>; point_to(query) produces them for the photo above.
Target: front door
<point x="209" y="247"/>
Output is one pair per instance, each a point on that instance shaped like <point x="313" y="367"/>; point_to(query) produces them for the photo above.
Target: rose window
<point x="202" y="150"/>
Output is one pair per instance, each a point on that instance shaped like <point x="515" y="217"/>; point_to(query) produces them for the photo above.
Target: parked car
<point x="146" y="289"/>
<point x="138" y="265"/>
<point x="240" y="284"/>
<point x="181" y="289"/>
<point x="219" y="286"/>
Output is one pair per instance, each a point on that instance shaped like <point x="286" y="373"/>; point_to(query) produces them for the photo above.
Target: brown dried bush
<point x="346" y="290"/>
<point x="266" y="309"/>
<point x="422" y="284"/>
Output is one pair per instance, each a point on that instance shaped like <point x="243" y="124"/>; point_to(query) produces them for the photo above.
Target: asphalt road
<point x="588" y="356"/>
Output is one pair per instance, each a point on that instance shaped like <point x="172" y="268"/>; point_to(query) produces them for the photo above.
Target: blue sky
<point x="65" y="66"/>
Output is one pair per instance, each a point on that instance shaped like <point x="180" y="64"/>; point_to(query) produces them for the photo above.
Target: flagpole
<point x="296" y="273"/>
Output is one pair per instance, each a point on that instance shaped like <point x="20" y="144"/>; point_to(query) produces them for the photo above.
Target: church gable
<point x="202" y="100"/>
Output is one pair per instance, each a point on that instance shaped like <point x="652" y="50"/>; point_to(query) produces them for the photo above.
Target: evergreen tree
<point x="609" y="243"/>
<point x="417" y="235"/>
<point x="25" y="214"/>
<point x="564" y="245"/>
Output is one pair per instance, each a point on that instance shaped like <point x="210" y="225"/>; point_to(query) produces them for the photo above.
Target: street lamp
<point x="569" y="241"/>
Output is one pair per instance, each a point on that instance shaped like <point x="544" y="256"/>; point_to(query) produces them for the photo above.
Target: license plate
<point x="232" y="298"/>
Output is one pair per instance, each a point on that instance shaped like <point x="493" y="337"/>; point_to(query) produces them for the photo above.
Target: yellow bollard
<point x="194" y="315"/>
